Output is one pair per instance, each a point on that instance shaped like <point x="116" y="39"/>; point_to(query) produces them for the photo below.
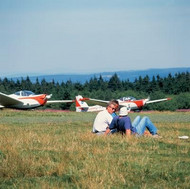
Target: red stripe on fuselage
<point x="139" y="103"/>
<point x="77" y="103"/>
<point x="41" y="99"/>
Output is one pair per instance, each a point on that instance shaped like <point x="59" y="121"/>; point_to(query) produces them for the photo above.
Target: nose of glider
<point x="146" y="100"/>
<point x="41" y="99"/>
<point x="48" y="96"/>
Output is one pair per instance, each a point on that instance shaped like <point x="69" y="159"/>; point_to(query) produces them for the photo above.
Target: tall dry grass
<point x="57" y="150"/>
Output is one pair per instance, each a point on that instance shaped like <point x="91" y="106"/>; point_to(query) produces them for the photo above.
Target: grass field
<point x="40" y="149"/>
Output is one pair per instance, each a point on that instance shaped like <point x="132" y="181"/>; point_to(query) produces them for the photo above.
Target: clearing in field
<point x="41" y="149"/>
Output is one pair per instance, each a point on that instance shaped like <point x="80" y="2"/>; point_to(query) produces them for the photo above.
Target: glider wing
<point x="98" y="102"/>
<point x="59" y="101"/>
<point x="159" y="100"/>
<point x="6" y="100"/>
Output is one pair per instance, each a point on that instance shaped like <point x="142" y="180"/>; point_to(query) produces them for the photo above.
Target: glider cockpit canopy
<point x="24" y="93"/>
<point x="127" y="98"/>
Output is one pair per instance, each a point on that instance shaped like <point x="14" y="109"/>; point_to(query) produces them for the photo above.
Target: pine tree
<point x="114" y="83"/>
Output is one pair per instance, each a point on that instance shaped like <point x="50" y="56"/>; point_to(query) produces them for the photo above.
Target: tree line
<point x="176" y="87"/>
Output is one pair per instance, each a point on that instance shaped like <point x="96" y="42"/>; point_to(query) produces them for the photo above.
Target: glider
<point x="132" y="103"/>
<point x="27" y="100"/>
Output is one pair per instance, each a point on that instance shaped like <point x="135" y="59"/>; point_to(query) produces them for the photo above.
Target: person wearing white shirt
<point x="104" y="118"/>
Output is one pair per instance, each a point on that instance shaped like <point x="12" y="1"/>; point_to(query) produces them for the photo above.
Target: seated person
<point x="123" y="124"/>
<point x="104" y="118"/>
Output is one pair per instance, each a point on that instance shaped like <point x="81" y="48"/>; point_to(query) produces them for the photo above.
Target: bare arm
<point x="107" y="130"/>
<point x="128" y="132"/>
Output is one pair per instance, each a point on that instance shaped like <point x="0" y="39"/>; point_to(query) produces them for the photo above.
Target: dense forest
<point x="176" y="87"/>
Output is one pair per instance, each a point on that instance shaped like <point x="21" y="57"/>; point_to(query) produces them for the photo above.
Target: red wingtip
<point x="168" y="98"/>
<point x="84" y="99"/>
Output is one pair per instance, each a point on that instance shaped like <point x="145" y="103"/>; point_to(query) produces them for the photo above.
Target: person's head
<point x="123" y="111"/>
<point x="116" y="103"/>
<point x="112" y="106"/>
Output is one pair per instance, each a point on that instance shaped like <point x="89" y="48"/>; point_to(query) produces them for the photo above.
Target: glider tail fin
<point x="81" y="106"/>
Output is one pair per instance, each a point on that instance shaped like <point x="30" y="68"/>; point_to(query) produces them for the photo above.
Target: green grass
<point x="41" y="149"/>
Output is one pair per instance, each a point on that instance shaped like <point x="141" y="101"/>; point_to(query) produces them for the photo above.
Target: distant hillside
<point x="123" y="75"/>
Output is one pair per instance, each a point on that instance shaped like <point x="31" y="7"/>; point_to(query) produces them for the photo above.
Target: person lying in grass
<point x="122" y="123"/>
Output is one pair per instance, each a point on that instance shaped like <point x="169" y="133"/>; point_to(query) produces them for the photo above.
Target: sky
<point x="92" y="36"/>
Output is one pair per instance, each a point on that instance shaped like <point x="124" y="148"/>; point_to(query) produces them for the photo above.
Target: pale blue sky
<point x="87" y="36"/>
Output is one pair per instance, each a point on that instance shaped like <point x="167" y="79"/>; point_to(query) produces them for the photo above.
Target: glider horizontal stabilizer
<point x="97" y="100"/>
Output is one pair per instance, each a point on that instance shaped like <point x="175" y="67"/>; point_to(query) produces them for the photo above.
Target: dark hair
<point x="114" y="102"/>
